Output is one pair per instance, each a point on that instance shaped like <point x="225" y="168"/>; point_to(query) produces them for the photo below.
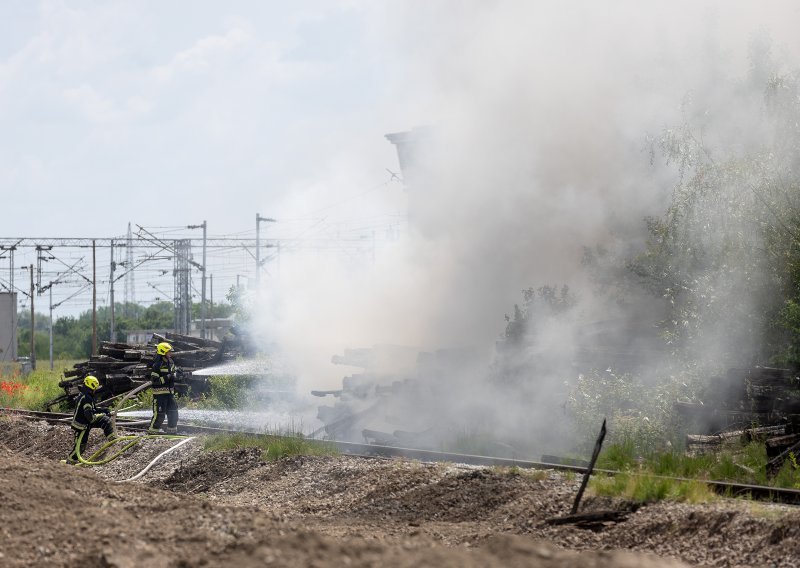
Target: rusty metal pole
<point x="33" y="328"/>
<point x="112" y="335"/>
<point x="94" y="300"/>
<point x="597" y="445"/>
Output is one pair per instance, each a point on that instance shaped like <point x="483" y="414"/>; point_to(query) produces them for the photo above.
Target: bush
<point x="225" y="392"/>
<point x="642" y="417"/>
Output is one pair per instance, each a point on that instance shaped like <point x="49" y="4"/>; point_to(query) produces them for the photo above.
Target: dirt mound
<point x="235" y="508"/>
<point x="209" y="470"/>
<point x="58" y="515"/>
<point x="461" y="496"/>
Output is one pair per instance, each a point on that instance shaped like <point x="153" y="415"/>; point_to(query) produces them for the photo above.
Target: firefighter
<point x="87" y="416"/>
<point x="162" y="375"/>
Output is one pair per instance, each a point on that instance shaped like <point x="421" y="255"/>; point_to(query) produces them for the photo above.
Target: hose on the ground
<point x="90" y="461"/>
<point x="132" y="441"/>
<point x="158" y="457"/>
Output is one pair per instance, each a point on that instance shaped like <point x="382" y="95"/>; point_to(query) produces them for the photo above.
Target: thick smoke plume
<point x="539" y="120"/>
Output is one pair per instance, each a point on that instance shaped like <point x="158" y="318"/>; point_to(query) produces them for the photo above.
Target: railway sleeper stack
<point x="122" y="367"/>
<point x="748" y="404"/>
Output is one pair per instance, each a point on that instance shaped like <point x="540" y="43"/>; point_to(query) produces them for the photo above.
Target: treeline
<point x="72" y="336"/>
<point x="720" y="266"/>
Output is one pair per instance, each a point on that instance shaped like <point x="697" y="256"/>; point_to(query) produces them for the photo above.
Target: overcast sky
<point x="168" y="113"/>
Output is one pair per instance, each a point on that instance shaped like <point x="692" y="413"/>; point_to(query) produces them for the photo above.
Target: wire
<point x="362" y="194"/>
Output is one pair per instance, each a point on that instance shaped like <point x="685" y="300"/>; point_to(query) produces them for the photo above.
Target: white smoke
<point x="539" y="114"/>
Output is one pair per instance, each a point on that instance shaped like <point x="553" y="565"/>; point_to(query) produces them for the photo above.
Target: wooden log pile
<point x="765" y="398"/>
<point x="121" y="367"/>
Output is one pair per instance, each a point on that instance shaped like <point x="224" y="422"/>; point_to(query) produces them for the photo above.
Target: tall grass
<point x="33" y="390"/>
<point x="647" y="488"/>
<point x="273" y="446"/>
<point x="643" y="477"/>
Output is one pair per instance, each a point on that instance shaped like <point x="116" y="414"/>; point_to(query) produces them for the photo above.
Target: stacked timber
<point x="765" y="398"/>
<point x="121" y="367"/>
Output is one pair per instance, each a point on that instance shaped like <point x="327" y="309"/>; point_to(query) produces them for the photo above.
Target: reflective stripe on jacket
<point x="162" y="375"/>
<point x="85" y="410"/>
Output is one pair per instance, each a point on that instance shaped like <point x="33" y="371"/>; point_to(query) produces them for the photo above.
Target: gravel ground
<point x="236" y="508"/>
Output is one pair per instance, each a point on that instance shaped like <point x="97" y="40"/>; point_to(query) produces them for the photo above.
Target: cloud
<point x="207" y="54"/>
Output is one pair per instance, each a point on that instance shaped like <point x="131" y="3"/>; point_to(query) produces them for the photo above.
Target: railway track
<point x="725" y="488"/>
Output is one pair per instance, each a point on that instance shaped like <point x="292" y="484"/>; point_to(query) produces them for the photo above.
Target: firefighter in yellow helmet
<point x="87" y="416"/>
<point x="162" y="376"/>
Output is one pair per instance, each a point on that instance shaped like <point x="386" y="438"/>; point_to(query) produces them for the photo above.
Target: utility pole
<point x="33" y="327"/>
<point x="10" y="249"/>
<point x="51" y="326"/>
<point x="112" y="334"/>
<point x="204" y="226"/>
<point x="259" y="218"/>
<point x="94" y="300"/>
<point x="211" y="305"/>
<point x="203" y="289"/>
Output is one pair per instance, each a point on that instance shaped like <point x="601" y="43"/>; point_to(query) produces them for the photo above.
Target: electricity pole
<point x="112" y="334"/>
<point x="203" y="287"/>
<point x="259" y="218"/>
<point x="51" y="326"/>
<point x="94" y="300"/>
<point x="33" y="327"/>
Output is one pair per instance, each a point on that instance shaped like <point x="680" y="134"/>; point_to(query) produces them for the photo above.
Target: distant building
<point x="143" y="336"/>
<point x="8" y="326"/>
<point x="414" y="154"/>
<point x="411" y="152"/>
<point x="216" y="328"/>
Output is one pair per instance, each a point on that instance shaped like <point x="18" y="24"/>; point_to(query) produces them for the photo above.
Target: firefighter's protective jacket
<point x="162" y="375"/>
<point x="86" y="411"/>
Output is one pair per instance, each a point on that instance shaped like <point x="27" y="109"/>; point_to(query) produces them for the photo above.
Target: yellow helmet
<point x="163" y="348"/>
<point x="91" y="382"/>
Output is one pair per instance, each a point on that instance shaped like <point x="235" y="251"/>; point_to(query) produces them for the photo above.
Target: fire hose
<point x="158" y="457"/>
<point x="131" y="441"/>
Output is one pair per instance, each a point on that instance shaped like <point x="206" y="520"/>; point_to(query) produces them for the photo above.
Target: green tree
<point x="725" y="254"/>
<point x="72" y="336"/>
<point x="241" y="302"/>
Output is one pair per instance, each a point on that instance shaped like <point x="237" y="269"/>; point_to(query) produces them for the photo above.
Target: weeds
<point x="31" y="391"/>
<point x="272" y="446"/>
<point x="648" y="488"/>
<point x="643" y="476"/>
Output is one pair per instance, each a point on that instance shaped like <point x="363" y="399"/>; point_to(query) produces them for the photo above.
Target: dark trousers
<point x="82" y="436"/>
<point x="164" y="405"/>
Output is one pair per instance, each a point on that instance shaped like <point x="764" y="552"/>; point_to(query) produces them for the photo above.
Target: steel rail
<point x="725" y="488"/>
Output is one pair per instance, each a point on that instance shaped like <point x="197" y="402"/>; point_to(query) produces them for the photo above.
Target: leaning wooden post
<point x="597" y="445"/>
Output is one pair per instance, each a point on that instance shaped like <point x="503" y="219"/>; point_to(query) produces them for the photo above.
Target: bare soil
<point x="233" y="508"/>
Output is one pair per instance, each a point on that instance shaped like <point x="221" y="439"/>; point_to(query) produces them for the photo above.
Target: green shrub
<point x="637" y="413"/>
<point x="226" y="392"/>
